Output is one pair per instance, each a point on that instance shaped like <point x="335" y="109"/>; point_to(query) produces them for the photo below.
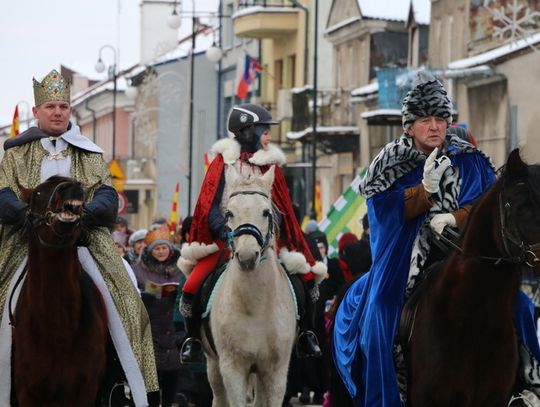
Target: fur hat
<point x="426" y="98"/>
<point x="156" y="237"/>
<point x="136" y="236"/>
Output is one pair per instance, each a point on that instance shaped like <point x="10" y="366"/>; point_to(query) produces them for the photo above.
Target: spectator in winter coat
<point x="158" y="278"/>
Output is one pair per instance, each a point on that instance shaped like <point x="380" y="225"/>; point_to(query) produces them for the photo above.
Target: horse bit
<point x="250" y="229"/>
<point x="38" y="219"/>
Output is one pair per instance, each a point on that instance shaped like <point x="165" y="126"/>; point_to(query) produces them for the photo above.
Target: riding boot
<point x="307" y="344"/>
<point x="191" y="349"/>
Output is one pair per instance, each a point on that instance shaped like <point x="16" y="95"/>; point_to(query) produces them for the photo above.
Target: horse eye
<point x="266" y="213"/>
<point x="228" y="214"/>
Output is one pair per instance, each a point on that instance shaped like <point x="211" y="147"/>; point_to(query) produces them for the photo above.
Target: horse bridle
<point x="47" y="218"/>
<point x="527" y="254"/>
<point x="250" y="229"/>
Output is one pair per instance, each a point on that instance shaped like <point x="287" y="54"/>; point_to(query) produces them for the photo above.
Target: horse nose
<point x="247" y="261"/>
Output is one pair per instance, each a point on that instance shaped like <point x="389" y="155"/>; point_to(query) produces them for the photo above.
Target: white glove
<point x="433" y="170"/>
<point x="438" y="222"/>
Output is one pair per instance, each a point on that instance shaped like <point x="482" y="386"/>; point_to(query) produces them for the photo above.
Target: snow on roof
<point x="98" y="88"/>
<point x="381" y="112"/>
<point x="397" y="10"/>
<point x="342" y="24"/>
<point x="261" y="9"/>
<point x="366" y="90"/>
<point x="422" y="11"/>
<point x="297" y="135"/>
<point x="495" y="53"/>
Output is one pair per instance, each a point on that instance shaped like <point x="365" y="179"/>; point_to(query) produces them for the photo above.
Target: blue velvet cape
<point x="366" y="321"/>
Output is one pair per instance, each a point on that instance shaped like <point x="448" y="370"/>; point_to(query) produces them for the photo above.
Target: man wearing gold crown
<point x="56" y="147"/>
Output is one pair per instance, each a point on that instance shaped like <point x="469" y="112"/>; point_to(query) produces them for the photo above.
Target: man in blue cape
<point x="421" y="182"/>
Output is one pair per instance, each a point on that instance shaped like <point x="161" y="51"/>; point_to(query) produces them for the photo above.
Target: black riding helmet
<point x="247" y="115"/>
<point x="248" y="122"/>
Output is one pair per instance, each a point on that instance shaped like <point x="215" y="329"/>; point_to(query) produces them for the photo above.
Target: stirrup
<point x="525" y="398"/>
<point x="311" y="348"/>
<point x="191" y="351"/>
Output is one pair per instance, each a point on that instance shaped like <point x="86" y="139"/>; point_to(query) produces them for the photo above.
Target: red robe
<point x="291" y="235"/>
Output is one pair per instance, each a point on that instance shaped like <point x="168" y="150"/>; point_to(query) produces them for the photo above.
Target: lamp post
<point x="100" y="67"/>
<point x="314" y="125"/>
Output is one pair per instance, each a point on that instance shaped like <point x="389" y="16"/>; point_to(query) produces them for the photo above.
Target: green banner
<point x="345" y="216"/>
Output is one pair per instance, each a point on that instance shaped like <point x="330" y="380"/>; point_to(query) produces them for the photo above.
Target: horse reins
<point x="250" y="229"/>
<point x="527" y="255"/>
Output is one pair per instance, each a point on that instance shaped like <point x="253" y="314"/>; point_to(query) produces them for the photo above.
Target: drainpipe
<point x="296" y="3"/>
<point x="94" y="120"/>
<point x="220" y="74"/>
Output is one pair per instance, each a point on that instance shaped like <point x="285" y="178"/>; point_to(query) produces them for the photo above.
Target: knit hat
<point x="156" y="237"/>
<point x="426" y="98"/>
<point x="136" y="236"/>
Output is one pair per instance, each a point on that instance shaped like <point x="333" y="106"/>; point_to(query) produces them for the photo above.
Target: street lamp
<point x="213" y="54"/>
<point x="100" y="67"/>
<point x="314" y="125"/>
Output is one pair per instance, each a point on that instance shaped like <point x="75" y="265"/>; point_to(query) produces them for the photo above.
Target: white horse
<point x="253" y="320"/>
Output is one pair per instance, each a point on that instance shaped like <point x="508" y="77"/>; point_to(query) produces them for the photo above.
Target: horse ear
<point x="268" y="177"/>
<point x="26" y="193"/>
<point x="515" y="167"/>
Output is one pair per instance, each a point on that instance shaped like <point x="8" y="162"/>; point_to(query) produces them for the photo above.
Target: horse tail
<point x="339" y="395"/>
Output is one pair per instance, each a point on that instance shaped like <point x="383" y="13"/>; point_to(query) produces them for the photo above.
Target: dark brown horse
<point x="463" y="349"/>
<point x="60" y="324"/>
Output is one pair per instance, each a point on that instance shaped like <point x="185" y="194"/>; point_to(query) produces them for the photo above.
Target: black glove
<point x="12" y="209"/>
<point x="103" y="209"/>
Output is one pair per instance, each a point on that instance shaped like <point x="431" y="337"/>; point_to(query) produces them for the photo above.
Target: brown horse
<point x="60" y="323"/>
<point x="463" y="349"/>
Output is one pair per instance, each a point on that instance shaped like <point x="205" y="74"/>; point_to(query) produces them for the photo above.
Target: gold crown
<point x="52" y="87"/>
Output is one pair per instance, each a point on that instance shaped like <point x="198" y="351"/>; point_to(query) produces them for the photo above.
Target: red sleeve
<point x="200" y="231"/>
<point x="291" y="235"/>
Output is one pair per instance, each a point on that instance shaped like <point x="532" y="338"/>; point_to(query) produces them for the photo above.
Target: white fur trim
<point x="273" y="155"/>
<point x="194" y="251"/>
<point x="185" y="266"/>
<point x="228" y="148"/>
<point x="294" y="262"/>
<point x="320" y="271"/>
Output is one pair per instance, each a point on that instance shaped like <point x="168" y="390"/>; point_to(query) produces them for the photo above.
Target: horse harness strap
<point x="250" y="229"/>
<point x="20" y="279"/>
<point x="527" y="255"/>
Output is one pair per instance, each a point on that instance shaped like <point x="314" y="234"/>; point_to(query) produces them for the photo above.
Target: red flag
<point x="15" y="123"/>
<point x="252" y="68"/>
<point x="173" y="218"/>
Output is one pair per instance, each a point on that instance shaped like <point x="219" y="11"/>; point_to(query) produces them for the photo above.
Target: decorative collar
<point x="72" y="136"/>
<point x="230" y="151"/>
<point x="399" y="157"/>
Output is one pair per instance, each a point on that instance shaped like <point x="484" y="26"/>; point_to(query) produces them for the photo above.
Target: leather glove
<point x="434" y="168"/>
<point x="103" y="209"/>
<point x="438" y="222"/>
<point x="12" y="209"/>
